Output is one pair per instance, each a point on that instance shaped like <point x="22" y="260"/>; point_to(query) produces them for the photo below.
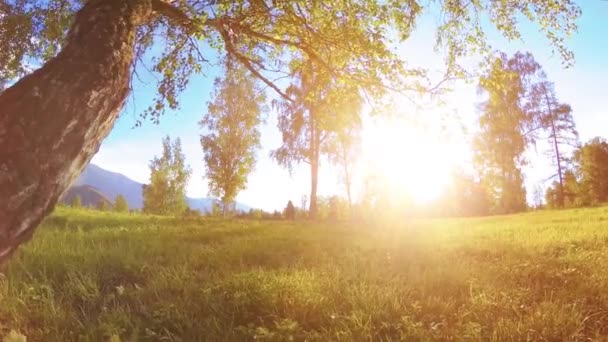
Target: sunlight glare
<point x="411" y="159"/>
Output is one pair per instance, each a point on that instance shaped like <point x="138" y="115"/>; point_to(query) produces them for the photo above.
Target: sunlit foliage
<point x="505" y="122"/>
<point x="265" y="36"/>
<point x="169" y="175"/>
<point x="231" y="135"/>
<point x="592" y="170"/>
<point x="120" y="204"/>
<point x="321" y="110"/>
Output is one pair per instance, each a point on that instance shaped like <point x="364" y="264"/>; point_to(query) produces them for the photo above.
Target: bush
<point x="192" y="214"/>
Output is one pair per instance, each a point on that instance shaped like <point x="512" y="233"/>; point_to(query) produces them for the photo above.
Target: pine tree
<point x="556" y="119"/>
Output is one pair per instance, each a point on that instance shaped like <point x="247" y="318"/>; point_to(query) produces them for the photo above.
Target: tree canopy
<point x="169" y="175"/>
<point x="231" y="136"/>
<point x="320" y="109"/>
<point x="504" y="125"/>
<point x="592" y="170"/>
<point x="120" y="204"/>
<point x="265" y="36"/>
<point x="586" y="183"/>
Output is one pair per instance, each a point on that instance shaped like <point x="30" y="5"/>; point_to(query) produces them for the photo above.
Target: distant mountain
<point x="112" y="184"/>
<point x="89" y="196"/>
<point x="202" y="204"/>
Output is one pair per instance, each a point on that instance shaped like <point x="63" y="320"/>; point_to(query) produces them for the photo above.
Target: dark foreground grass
<point x="91" y="276"/>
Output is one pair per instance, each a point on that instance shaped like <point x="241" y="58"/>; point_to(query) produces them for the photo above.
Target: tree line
<point x="519" y="109"/>
<point x="120" y="204"/>
<point x="586" y="182"/>
<point x="522" y="108"/>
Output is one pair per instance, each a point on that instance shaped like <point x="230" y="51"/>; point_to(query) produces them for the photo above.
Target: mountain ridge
<point x="89" y="196"/>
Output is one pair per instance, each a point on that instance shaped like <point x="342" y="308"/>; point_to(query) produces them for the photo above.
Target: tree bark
<point x="560" y="200"/>
<point x="53" y="120"/>
<point x="347" y="181"/>
<point x="314" y="170"/>
<point x="313" y="210"/>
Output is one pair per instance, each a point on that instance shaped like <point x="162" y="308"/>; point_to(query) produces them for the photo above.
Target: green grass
<point x="91" y="276"/>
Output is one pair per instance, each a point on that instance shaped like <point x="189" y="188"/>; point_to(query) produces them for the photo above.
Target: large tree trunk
<point x="314" y="179"/>
<point x="53" y="121"/>
<point x="314" y="170"/>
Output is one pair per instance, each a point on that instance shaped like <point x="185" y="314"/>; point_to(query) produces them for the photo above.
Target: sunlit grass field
<point x="94" y="276"/>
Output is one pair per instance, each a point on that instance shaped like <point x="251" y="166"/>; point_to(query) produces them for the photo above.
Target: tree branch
<point x="173" y="13"/>
<point x="201" y="58"/>
<point x="231" y="49"/>
<point x="180" y="18"/>
<point x="299" y="45"/>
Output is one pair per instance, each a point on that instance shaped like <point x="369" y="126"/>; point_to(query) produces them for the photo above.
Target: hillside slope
<point x="89" y="196"/>
<point x="112" y="184"/>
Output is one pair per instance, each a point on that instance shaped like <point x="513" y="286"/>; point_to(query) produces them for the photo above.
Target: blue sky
<point x="584" y="87"/>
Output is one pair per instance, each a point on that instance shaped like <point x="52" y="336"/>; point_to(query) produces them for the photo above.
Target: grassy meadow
<point x="95" y="276"/>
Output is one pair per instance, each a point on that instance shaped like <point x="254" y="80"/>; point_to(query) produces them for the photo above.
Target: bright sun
<point x="412" y="160"/>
